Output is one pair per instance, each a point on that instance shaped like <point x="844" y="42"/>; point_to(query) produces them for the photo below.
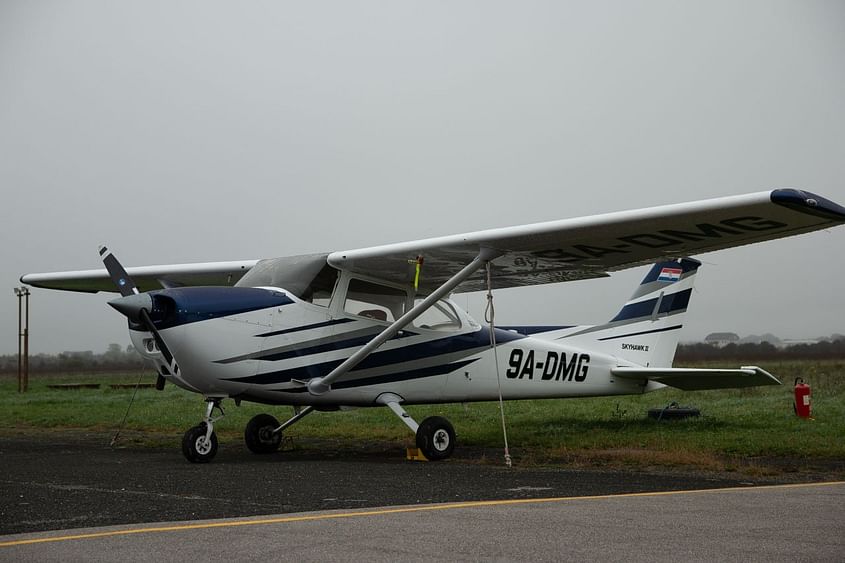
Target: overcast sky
<point x="202" y="131"/>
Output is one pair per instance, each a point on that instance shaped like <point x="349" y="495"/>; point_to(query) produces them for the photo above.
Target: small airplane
<point x="377" y="327"/>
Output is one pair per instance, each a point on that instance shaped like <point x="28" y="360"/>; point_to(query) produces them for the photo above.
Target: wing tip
<point x="810" y="203"/>
<point x="761" y="372"/>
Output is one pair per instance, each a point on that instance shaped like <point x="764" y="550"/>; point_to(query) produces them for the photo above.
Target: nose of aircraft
<point x="131" y="305"/>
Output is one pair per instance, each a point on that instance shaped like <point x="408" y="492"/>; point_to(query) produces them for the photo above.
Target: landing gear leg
<point x="199" y="444"/>
<point x="435" y="435"/>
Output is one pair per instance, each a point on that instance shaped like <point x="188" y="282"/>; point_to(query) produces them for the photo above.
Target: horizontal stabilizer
<point x="692" y="379"/>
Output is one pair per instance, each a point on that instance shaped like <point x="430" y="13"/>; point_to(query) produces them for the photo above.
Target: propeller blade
<point x="117" y="273"/>
<point x="136" y="307"/>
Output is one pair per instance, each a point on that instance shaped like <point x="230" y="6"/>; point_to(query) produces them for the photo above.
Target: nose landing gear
<point x="199" y="444"/>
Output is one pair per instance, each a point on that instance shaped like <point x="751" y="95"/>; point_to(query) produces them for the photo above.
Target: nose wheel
<point x="199" y="444"/>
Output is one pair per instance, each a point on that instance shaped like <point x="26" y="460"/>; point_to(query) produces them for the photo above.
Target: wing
<point x="589" y="247"/>
<point x="146" y="277"/>
<point x="557" y="251"/>
<point x="690" y="379"/>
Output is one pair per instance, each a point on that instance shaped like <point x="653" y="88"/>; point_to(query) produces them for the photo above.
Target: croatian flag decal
<point x="670" y="274"/>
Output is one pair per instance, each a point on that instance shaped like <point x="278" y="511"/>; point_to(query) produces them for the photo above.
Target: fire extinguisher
<point x="802" y="398"/>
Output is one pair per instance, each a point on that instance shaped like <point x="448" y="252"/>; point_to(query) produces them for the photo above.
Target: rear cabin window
<point x="374" y="301"/>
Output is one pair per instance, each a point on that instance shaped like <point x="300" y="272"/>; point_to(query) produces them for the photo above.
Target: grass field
<point x="736" y="425"/>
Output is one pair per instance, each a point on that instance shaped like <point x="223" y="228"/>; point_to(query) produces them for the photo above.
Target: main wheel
<point x="436" y="438"/>
<point x="196" y="448"/>
<point x="259" y="435"/>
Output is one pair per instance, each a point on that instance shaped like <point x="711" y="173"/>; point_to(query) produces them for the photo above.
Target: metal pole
<point x="26" y="344"/>
<point x="20" y="358"/>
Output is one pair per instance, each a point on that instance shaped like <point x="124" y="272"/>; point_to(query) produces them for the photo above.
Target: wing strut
<point x="320" y="385"/>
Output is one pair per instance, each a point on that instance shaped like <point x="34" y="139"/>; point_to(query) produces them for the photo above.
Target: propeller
<point x="136" y="306"/>
<point x="117" y="273"/>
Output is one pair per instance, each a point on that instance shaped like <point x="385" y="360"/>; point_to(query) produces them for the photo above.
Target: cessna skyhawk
<point x="376" y="326"/>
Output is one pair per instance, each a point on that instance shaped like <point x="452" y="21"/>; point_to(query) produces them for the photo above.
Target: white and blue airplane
<point x="376" y="326"/>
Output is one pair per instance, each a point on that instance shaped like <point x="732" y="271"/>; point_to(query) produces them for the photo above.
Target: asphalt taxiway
<point x="74" y="480"/>
<point x="774" y="523"/>
<point x="74" y="498"/>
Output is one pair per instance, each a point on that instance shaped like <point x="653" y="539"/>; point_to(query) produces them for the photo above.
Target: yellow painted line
<point x="368" y="513"/>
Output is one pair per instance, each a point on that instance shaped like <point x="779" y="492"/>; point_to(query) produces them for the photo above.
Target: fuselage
<point x="264" y="344"/>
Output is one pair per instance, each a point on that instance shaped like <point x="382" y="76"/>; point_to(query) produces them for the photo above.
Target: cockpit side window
<point x="374" y="301"/>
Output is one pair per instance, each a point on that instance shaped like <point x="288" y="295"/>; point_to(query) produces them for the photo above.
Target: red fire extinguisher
<point x="802" y="398"/>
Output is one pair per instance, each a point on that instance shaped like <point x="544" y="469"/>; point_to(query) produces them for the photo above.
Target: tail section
<point x="646" y="330"/>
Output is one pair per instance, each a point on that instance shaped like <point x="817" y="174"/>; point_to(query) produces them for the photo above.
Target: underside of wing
<point x="691" y="379"/>
<point x="589" y="247"/>
<point x="146" y="277"/>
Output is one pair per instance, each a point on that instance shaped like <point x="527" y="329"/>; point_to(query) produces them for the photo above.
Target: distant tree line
<point x="115" y="358"/>
<point x="824" y="350"/>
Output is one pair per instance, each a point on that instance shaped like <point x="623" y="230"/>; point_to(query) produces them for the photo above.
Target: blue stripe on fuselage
<point x="304" y="327"/>
<point x="306" y="350"/>
<point x="468" y="342"/>
<point x="421" y="373"/>
<point x="531" y="330"/>
<point x="641" y="333"/>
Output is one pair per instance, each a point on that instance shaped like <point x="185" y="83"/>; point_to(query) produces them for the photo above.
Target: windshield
<point x="308" y="277"/>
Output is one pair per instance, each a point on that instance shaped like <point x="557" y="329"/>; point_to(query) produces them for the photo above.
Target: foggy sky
<point x="200" y="131"/>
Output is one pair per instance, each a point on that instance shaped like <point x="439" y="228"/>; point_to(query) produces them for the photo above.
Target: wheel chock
<point x="414" y="454"/>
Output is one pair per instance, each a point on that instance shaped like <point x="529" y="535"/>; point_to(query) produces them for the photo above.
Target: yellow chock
<point x="414" y="454"/>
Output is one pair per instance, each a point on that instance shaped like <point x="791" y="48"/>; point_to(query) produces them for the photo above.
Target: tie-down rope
<point x="129" y="406"/>
<point x="489" y="317"/>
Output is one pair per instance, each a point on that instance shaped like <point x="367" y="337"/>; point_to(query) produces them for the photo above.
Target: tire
<point x="194" y="446"/>
<point x="436" y="438"/>
<point x="259" y="435"/>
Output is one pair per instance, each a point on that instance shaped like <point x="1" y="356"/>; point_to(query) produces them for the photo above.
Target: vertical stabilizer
<point x="646" y="329"/>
